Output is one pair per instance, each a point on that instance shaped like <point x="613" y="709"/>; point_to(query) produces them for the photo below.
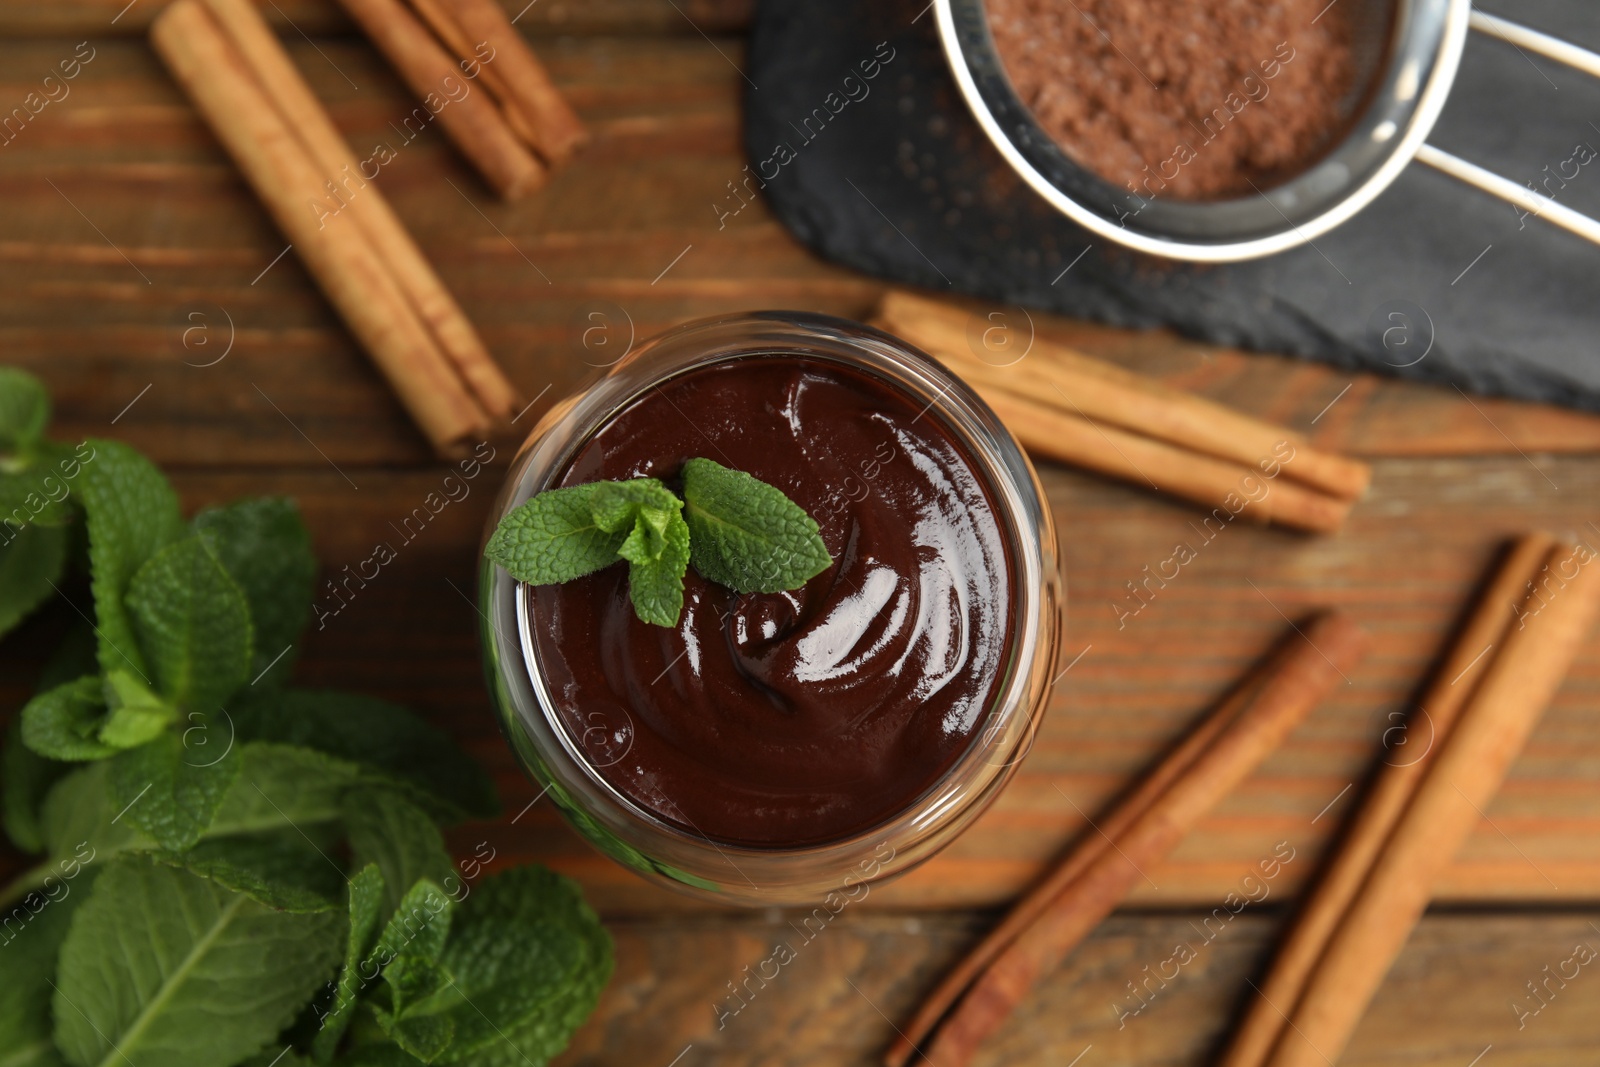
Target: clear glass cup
<point x="565" y="765"/>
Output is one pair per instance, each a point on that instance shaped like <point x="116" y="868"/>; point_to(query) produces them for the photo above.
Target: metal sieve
<point x="1407" y="54"/>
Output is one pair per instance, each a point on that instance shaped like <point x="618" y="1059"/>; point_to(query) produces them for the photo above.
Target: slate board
<point x="901" y="183"/>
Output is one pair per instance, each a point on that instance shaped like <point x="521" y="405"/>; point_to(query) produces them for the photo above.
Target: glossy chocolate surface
<point x="795" y="718"/>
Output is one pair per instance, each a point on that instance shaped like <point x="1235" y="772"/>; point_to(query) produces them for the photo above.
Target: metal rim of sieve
<point x="1407" y="94"/>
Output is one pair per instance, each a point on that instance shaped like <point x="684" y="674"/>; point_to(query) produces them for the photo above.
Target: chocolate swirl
<point x="803" y="717"/>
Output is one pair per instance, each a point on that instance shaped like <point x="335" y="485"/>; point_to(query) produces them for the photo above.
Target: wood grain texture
<point x="170" y="249"/>
<point x="101" y="18"/>
<point x="128" y="245"/>
<point x="1448" y="998"/>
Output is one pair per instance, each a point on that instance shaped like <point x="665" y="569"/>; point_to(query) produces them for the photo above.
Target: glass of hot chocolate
<point x="772" y="748"/>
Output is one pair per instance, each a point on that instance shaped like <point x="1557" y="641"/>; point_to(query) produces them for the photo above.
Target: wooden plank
<point x="849" y="981"/>
<point x="169" y="251"/>
<point x="102" y="18"/>
<point x="1404" y="567"/>
<point x="100" y="327"/>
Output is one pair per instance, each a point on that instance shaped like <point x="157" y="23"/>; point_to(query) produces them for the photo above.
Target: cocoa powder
<point x="1181" y="99"/>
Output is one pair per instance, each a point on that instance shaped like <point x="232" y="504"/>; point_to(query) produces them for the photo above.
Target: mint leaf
<point x="746" y="534"/>
<point x="132" y="513"/>
<point x="200" y="976"/>
<point x="25" y="780"/>
<point x="553" y="538"/>
<point x="282" y="869"/>
<point x="405" y="954"/>
<point x="282" y="785"/>
<point x="419" y="925"/>
<point x="136" y="715"/>
<point x="265" y="547"/>
<point x="276" y="787"/>
<point x="31" y="564"/>
<point x="166" y="794"/>
<point x="616" y="505"/>
<point x="193" y="625"/>
<point x="36" y="486"/>
<point x="24" y="411"/>
<point x="273" y="1056"/>
<point x="656" y="568"/>
<point x="27" y="777"/>
<point x="30" y="966"/>
<point x="36" y="531"/>
<point x="566" y="533"/>
<point x="76" y="818"/>
<point x="376" y="734"/>
<point x="378" y="1055"/>
<point x="64" y="723"/>
<point x="364" y="903"/>
<point x="414" y="976"/>
<point x="411" y="978"/>
<point x="644" y="543"/>
<point x="529" y="959"/>
<point x="402" y="839"/>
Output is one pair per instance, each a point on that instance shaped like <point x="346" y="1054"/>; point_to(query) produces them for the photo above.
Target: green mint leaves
<point x="566" y="533"/>
<point x="197" y="964"/>
<point x="136" y="715"/>
<point x="235" y="872"/>
<point x="131" y="514"/>
<point x="192" y="623"/>
<point x="24" y="412"/>
<point x="64" y="723"/>
<point x="36" y="482"/>
<point x="265" y="548"/>
<point x="554" y="538"/>
<point x="747" y="535"/>
<point x="655" y="543"/>
<point x="736" y="530"/>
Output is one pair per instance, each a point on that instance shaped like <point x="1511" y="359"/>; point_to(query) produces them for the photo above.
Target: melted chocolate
<point x="804" y="717"/>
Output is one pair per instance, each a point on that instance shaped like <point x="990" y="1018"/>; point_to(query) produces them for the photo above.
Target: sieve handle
<point x="1543" y="207"/>
<point x="1520" y="36"/>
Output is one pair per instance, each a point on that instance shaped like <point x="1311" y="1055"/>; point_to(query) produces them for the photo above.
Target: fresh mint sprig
<point x="736" y="530"/>
<point x="193" y="811"/>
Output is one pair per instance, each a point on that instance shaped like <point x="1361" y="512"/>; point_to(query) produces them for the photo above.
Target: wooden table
<point x="132" y="257"/>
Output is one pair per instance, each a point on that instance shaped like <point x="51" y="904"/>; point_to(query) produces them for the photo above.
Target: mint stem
<point x="25" y="883"/>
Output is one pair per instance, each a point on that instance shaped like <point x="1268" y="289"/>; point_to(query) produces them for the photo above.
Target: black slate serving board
<point x="901" y="183"/>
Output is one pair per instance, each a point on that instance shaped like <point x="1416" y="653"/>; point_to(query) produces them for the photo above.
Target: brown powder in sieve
<point x="1181" y="99"/>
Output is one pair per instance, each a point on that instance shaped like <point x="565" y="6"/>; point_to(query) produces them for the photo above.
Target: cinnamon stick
<point x="1284" y="691"/>
<point x="1087" y="849"/>
<point x="1526" y="670"/>
<point x="469" y="117"/>
<point x="1230" y="490"/>
<point x="556" y="130"/>
<point x="1427" y="730"/>
<point x="302" y="113"/>
<point x="213" y="73"/>
<point x="1055" y="375"/>
<point x="455" y="40"/>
